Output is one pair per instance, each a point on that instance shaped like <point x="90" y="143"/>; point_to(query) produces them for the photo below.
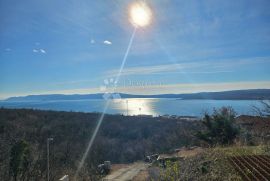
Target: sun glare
<point x="140" y="14"/>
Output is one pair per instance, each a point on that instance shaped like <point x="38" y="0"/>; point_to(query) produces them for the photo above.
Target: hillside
<point x="215" y="164"/>
<point x="121" y="139"/>
<point x="253" y="94"/>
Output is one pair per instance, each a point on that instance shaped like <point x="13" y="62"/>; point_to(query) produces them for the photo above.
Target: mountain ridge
<point x="246" y="94"/>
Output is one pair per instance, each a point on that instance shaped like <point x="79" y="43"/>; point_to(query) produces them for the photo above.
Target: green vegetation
<point x="19" y="160"/>
<point x="221" y="127"/>
<point x="171" y="173"/>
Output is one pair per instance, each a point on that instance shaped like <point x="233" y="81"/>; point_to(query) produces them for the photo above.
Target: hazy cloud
<point x="35" y="50"/>
<point x="42" y="51"/>
<point x="193" y="87"/>
<point x="202" y="67"/>
<point x="92" y="41"/>
<point x="158" y="88"/>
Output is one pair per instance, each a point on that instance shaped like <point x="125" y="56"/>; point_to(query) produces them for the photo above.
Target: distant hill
<point x="55" y="97"/>
<point x="252" y="94"/>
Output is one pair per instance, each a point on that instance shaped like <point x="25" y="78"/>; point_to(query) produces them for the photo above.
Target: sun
<point x="140" y="14"/>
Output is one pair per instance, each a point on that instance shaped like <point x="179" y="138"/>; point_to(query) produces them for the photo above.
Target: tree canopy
<point x="220" y="127"/>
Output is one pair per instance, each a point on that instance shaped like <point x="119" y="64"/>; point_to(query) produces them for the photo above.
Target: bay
<point x="141" y="106"/>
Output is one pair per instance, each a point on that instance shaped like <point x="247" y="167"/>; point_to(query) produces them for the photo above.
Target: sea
<point x="141" y="106"/>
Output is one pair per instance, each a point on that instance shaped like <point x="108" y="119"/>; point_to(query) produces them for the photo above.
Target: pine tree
<point x="19" y="159"/>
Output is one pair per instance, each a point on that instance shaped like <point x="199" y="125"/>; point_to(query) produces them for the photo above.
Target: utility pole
<point x="48" y="158"/>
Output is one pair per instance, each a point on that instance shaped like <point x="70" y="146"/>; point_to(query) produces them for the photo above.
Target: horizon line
<point x="179" y="88"/>
<point x="136" y="94"/>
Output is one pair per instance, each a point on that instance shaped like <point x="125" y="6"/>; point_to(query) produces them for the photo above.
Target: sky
<point x="77" y="46"/>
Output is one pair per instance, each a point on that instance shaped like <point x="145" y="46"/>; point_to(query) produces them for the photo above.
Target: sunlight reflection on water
<point x="136" y="106"/>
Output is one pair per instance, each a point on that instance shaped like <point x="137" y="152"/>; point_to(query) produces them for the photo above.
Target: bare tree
<point x="264" y="110"/>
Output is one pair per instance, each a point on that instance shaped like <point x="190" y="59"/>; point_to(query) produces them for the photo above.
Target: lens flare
<point x="140" y="14"/>
<point x="105" y="108"/>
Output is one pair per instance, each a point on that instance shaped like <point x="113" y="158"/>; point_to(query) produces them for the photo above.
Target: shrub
<point x="220" y="127"/>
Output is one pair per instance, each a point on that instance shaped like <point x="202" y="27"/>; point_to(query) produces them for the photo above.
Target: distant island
<point x="250" y="94"/>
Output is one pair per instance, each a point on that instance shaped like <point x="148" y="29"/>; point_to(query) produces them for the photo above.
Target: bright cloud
<point x="107" y="42"/>
<point x="39" y="51"/>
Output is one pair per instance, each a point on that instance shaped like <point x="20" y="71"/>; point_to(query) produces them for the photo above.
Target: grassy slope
<point x="211" y="164"/>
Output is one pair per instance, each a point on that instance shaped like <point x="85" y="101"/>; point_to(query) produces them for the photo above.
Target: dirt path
<point x="127" y="173"/>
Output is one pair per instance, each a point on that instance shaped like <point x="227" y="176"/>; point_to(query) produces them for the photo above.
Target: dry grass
<point x="142" y="176"/>
<point x="209" y="164"/>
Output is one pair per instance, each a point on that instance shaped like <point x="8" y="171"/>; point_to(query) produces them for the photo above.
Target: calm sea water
<point x="141" y="106"/>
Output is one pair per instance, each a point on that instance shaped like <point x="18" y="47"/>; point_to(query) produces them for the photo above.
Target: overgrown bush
<point x="220" y="127"/>
<point x="172" y="172"/>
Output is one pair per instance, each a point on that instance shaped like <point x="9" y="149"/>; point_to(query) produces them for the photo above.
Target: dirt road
<point x="126" y="173"/>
